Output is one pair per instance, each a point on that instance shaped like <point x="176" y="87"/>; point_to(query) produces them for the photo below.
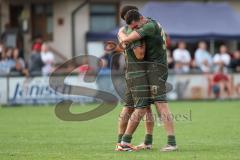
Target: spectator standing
<point x="203" y="58"/>
<point x="7" y="63"/>
<point x="35" y="63"/>
<point x="182" y="58"/>
<point x="20" y="64"/>
<point x="37" y="44"/>
<point x="222" y="58"/>
<point x="47" y="58"/>
<point x="235" y="62"/>
<point x="104" y="80"/>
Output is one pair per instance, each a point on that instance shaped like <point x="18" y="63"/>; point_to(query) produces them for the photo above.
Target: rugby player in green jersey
<point x="154" y="37"/>
<point x="134" y="69"/>
<point x="134" y="54"/>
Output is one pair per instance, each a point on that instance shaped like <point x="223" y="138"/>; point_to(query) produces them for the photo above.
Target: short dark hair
<point x="132" y="15"/>
<point x="125" y="9"/>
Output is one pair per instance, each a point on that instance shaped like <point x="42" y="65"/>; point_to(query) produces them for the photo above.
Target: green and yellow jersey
<point x="156" y="54"/>
<point x="155" y="39"/>
<point x="133" y="65"/>
<point x="137" y="92"/>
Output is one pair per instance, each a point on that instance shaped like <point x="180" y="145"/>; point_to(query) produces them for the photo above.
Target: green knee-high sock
<point x="148" y="139"/>
<point x="127" y="138"/>
<point x="171" y="140"/>
<point x="120" y="138"/>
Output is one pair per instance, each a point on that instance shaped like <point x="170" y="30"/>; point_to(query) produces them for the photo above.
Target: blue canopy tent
<point x="195" y="20"/>
<point x="189" y="21"/>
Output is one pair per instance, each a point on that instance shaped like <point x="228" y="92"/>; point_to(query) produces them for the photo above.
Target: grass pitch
<point x="35" y="133"/>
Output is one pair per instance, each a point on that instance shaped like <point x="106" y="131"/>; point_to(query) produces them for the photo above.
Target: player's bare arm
<point x="130" y="38"/>
<point x="121" y="34"/>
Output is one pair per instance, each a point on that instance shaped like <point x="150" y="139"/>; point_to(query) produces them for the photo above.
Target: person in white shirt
<point x="203" y="58"/>
<point x="182" y="58"/>
<point x="222" y="58"/>
<point x="47" y="58"/>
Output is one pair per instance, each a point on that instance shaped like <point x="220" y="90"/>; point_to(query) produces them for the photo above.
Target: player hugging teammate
<point x="146" y="77"/>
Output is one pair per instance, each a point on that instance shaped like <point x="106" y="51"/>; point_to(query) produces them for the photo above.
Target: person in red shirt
<point x="37" y="44"/>
<point x="221" y="83"/>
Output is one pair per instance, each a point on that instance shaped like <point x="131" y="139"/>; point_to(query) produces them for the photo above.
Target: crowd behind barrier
<point x="180" y="60"/>
<point x="198" y="75"/>
<point x="22" y="90"/>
